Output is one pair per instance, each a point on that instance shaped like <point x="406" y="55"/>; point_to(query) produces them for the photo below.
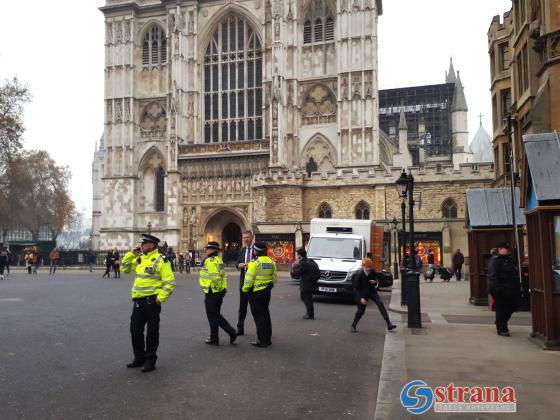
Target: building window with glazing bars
<point x="362" y="211"/>
<point x="449" y="209"/>
<point x="318" y="26"/>
<point x="233" y="83"/>
<point x="154" y="48"/>
<point x="325" y="211"/>
<point x="160" y="189"/>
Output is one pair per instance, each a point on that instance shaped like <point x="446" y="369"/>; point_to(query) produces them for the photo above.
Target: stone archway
<point x="225" y="227"/>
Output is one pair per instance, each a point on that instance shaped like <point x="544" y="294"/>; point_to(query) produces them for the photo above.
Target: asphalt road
<point x="64" y="343"/>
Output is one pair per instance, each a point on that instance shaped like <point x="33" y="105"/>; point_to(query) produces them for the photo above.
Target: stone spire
<point x="402" y="121"/>
<point x="459" y="100"/>
<point x="450" y="74"/>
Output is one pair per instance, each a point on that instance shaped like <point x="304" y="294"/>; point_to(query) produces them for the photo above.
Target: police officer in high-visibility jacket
<point x="213" y="282"/>
<point x="259" y="280"/>
<point x="153" y="285"/>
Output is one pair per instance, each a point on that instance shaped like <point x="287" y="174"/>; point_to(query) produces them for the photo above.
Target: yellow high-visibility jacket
<point x="153" y="274"/>
<point x="260" y="274"/>
<point x="213" y="274"/>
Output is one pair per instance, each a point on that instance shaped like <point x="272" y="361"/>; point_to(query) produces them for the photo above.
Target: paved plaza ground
<point x="65" y="341"/>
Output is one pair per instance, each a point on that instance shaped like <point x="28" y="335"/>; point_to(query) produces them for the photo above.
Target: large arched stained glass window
<point x="233" y="83"/>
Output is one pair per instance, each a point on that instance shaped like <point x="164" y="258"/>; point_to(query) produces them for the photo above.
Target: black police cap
<point x="213" y="245"/>
<point x="146" y="237"/>
<point x="259" y="247"/>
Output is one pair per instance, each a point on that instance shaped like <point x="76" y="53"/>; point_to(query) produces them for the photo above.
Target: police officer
<point x="153" y="285"/>
<point x="504" y="286"/>
<point x="213" y="282"/>
<point x="259" y="280"/>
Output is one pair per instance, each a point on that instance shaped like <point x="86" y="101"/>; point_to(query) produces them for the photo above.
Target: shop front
<point x="423" y="242"/>
<point x="280" y="246"/>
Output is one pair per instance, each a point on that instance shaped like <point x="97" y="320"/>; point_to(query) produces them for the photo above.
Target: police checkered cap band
<point x="213" y="245"/>
<point x="146" y="237"/>
<point x="259" y="247"/>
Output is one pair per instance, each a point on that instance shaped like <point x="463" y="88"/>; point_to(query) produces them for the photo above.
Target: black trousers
<point x="458" y="268"/>
<point x="145" y="311"/>
<point x="2" y="265"/>
<point x="107" y="270"/>
<point x="307" y="298"/>
<point x="362" y="308"/>
<point x="504" y="307"/>
<point x="213" y="302"/>
<point x="243" y="303"/>
<point x="260" y="302"/>
<point x="117" y="270"/>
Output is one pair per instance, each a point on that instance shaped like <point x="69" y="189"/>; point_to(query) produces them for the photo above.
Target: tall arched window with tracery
<point x="233" y="83"/>
<point x="154" y="48"/>
<point x="325" y="211"/>
<point x="449" y="209"/>
<point x="160" y="189"/>
<point x="318" y="25"/>
<point x="362" y="211"/>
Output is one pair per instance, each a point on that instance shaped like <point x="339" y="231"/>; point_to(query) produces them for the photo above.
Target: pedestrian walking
<point x="108" y="264"/>
<point x="117" y="263"/>
<point x="3" y="260"/>
<point x="308" y="273"/>
<point x="244" y="257"/>
<point x="458" y="261"/>
<point x="28" y="258"/>
<point x="153" y="284"/>
<point x="35" y="262"/>
<point x="188" y="260"/>
<point x="181" y="262"/>
<point x="90" y="260"/>
<point x="259" y="280"/>
<point x="172" y="257"/>
<point x="54" y="258"/>
<point x="365" y="284"/>
<point x="504" y="286"/>
<point x="213" y="282"/>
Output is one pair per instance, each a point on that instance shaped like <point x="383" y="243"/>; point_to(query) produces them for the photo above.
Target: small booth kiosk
<point x="489" y="221"/>
<point x="541" y="199"/>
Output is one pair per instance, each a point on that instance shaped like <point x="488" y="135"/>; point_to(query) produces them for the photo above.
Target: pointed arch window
<point x="362" y="211"/>
<point x="449" y="209"/>
<point x="319" y="22"/>
<point x="160" y="189"/>
<point x="154" y="47"/>
<point x="233" y="83"/>
<point x="325" y="211"/>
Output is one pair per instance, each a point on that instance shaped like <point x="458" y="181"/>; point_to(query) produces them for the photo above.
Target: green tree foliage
<point x="38" y="193"/>
<point x="33" y="188"/>
<point x="13" y="97"/>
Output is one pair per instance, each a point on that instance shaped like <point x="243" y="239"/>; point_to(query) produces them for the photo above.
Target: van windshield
<point x="343" y="248"/>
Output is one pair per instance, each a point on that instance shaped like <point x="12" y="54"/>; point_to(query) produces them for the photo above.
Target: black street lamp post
<point x="401" y="188"/>
<point x="411" y="279"/>
<point x="396" y="247"/>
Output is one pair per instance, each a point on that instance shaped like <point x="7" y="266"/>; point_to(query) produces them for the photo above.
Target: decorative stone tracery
<point x="319" y="106"/>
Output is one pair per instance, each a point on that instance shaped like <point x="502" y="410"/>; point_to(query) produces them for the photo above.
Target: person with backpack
<point x="308" y="272"/>
<point x="365" y="283"/>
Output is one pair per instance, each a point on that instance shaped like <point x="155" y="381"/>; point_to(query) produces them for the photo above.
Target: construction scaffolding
<point x="428" y="116"/>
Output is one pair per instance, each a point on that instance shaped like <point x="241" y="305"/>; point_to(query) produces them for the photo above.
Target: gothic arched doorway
<point x="231" y="241"/>
<point x="225" y="227"/>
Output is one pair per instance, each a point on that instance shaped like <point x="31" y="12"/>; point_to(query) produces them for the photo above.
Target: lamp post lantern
<point x="410" y="278"/>
<point x="149" y="227"/>
<point x="395" y="247"/>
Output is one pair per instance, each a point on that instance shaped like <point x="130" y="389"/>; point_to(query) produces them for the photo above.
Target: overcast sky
<point x="56" y="47"/>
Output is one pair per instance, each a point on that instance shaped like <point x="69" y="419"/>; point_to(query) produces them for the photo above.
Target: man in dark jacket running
<point x="504" y="286"/>
<point x="306" y="270"/>
<point x="365" y="287"/>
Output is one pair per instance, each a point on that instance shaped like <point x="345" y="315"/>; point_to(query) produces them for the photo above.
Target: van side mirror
<point x="369" y="255"/>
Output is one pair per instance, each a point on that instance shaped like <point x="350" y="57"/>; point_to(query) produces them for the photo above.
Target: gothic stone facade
<point x="255" y="113"/>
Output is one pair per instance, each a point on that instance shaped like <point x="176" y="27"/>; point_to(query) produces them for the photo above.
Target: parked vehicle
<point x="338" y="246"/>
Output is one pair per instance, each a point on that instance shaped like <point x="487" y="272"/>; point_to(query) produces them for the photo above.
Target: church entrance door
<point x="231" y="241"/>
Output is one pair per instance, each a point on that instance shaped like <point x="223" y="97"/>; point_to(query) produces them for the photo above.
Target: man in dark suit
<point x="246" y="254"/>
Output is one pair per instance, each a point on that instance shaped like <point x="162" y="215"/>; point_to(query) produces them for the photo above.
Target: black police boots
<point x="135" y="363"/>
<point x="149" y="365"/>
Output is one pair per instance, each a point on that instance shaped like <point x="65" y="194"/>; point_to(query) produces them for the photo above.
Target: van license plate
<point x="327" y="289"/>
